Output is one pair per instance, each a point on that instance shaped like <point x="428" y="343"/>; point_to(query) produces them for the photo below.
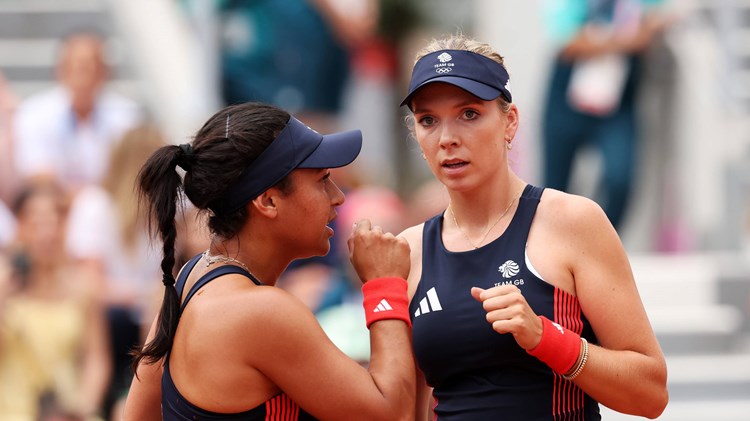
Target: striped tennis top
<point x="477" y="373"/>
<point x="175" y="407"/>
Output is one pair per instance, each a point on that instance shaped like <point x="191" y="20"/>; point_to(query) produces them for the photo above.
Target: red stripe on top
<point x="566" y="396"/>
<point x="281" y="408"/>
<point x="270" y="409"/>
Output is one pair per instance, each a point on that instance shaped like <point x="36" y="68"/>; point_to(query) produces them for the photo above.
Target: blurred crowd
<point x="79" y="275"/>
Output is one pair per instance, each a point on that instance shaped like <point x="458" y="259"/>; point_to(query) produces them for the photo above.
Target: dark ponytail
<point x="221" y="151"/>
<point x="159" y="188"/>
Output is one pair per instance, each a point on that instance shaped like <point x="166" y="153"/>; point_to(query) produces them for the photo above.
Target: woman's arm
<point x="592" y="41"/>
<point x="574" y="243"/>
<point x="627" y="371"/>
<point x="300" y="359"/>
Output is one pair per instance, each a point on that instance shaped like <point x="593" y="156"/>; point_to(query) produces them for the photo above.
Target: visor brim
<point x="478" y="89"/>
<point x="336" y="150"/>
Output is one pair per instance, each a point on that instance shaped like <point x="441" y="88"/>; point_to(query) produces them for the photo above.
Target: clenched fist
<point x="375" y="254"/>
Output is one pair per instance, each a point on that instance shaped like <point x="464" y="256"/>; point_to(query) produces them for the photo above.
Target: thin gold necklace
<point x="476" y="246"/>
<point x="220" y="258"/>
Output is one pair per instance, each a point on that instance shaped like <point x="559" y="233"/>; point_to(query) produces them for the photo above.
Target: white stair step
<point x="47" y="6"/>
<point x="129" y="88"/>
<point x="684" y="279"/>
<point x="697" y="369"/>
<point x="685" y="319"/>
<point x="28" y="52"/>
<point x="697" y="410"/>
<point x="42" y="52"/>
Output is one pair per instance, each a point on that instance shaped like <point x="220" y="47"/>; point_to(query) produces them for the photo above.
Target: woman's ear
<point x="511" y="118"/>
<point x="265" y="204"/>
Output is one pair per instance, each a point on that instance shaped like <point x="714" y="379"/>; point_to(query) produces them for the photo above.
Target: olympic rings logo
<point x="443" y="70"/>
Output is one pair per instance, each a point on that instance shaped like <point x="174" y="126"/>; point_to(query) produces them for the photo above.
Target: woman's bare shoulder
<point x="263" y="301"/>
<point x="413" y="234"/>
<point x="569" y="211"/>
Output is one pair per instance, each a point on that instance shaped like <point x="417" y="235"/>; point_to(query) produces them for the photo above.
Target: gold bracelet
<point x="582" y="363"/>
<point x="578" y="360"/>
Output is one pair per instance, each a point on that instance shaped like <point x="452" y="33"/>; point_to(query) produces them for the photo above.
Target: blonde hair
<point x="127" y="157"/>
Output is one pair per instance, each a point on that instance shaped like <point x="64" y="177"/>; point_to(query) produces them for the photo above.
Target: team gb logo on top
<point x="509" y="269"/>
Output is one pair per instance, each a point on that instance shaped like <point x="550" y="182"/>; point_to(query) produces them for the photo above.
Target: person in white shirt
<point x="67" y="132"/>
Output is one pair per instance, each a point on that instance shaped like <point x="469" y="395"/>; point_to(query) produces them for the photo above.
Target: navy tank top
<point x="477" y="373"/>
<point x="175" y="407"/>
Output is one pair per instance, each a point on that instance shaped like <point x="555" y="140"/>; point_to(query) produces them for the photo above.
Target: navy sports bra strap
<point x="182" y="278"/>
<point x="210" y="276"/>
<point x="527" y="208"/>
<point x="534" y="192"/>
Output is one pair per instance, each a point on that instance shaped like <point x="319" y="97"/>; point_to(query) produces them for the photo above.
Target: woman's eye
<point x="426" y="121"/>
<point x="470" y="114"/>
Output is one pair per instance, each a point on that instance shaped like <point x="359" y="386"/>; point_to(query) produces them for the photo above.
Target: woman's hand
<point x="375" y="254"/>
<point x="508" y="312"/>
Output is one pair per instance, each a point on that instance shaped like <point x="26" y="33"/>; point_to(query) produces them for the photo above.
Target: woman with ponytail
<point x="227" y="345"/>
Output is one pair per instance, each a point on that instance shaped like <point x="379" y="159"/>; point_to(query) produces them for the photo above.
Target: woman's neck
<point x="475" y="208"/>
<point x="255" y="255"/>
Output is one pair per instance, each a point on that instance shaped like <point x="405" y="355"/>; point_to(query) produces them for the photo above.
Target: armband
<point x="559" y="348"/>
<point x="385" y="298"/>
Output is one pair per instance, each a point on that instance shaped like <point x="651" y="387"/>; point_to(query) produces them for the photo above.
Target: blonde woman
<point x="523" y="303"/>
<point x="54" y="361"/>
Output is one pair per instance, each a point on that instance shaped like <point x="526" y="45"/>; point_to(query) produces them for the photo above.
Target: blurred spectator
<point x="8" y="177"/>
<point x="53" y="349"/>
<point x="109" y="241"/>
<point x="429" y="199"/>
<point x="7" y="226"/>
<point x="193" y="236"/>
<point x="591" y="98"/>
<point x="67" y="132"/>
<point x="292" y="53"/>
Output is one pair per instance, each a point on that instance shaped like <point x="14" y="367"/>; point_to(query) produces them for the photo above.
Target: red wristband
<point x="385" y="298"/>
<point x="559" y="347"/>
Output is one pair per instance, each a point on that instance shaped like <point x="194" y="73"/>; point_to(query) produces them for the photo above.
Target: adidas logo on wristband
<point x="382" y="306"/>
<point x="385" y="298"/>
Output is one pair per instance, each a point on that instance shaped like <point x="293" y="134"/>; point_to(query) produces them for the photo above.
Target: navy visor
<point x="297" y="146"/>
<point x="479" y="75"/>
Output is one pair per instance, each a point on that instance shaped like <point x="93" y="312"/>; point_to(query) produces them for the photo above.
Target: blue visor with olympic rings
<point x="479" y="75"/>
